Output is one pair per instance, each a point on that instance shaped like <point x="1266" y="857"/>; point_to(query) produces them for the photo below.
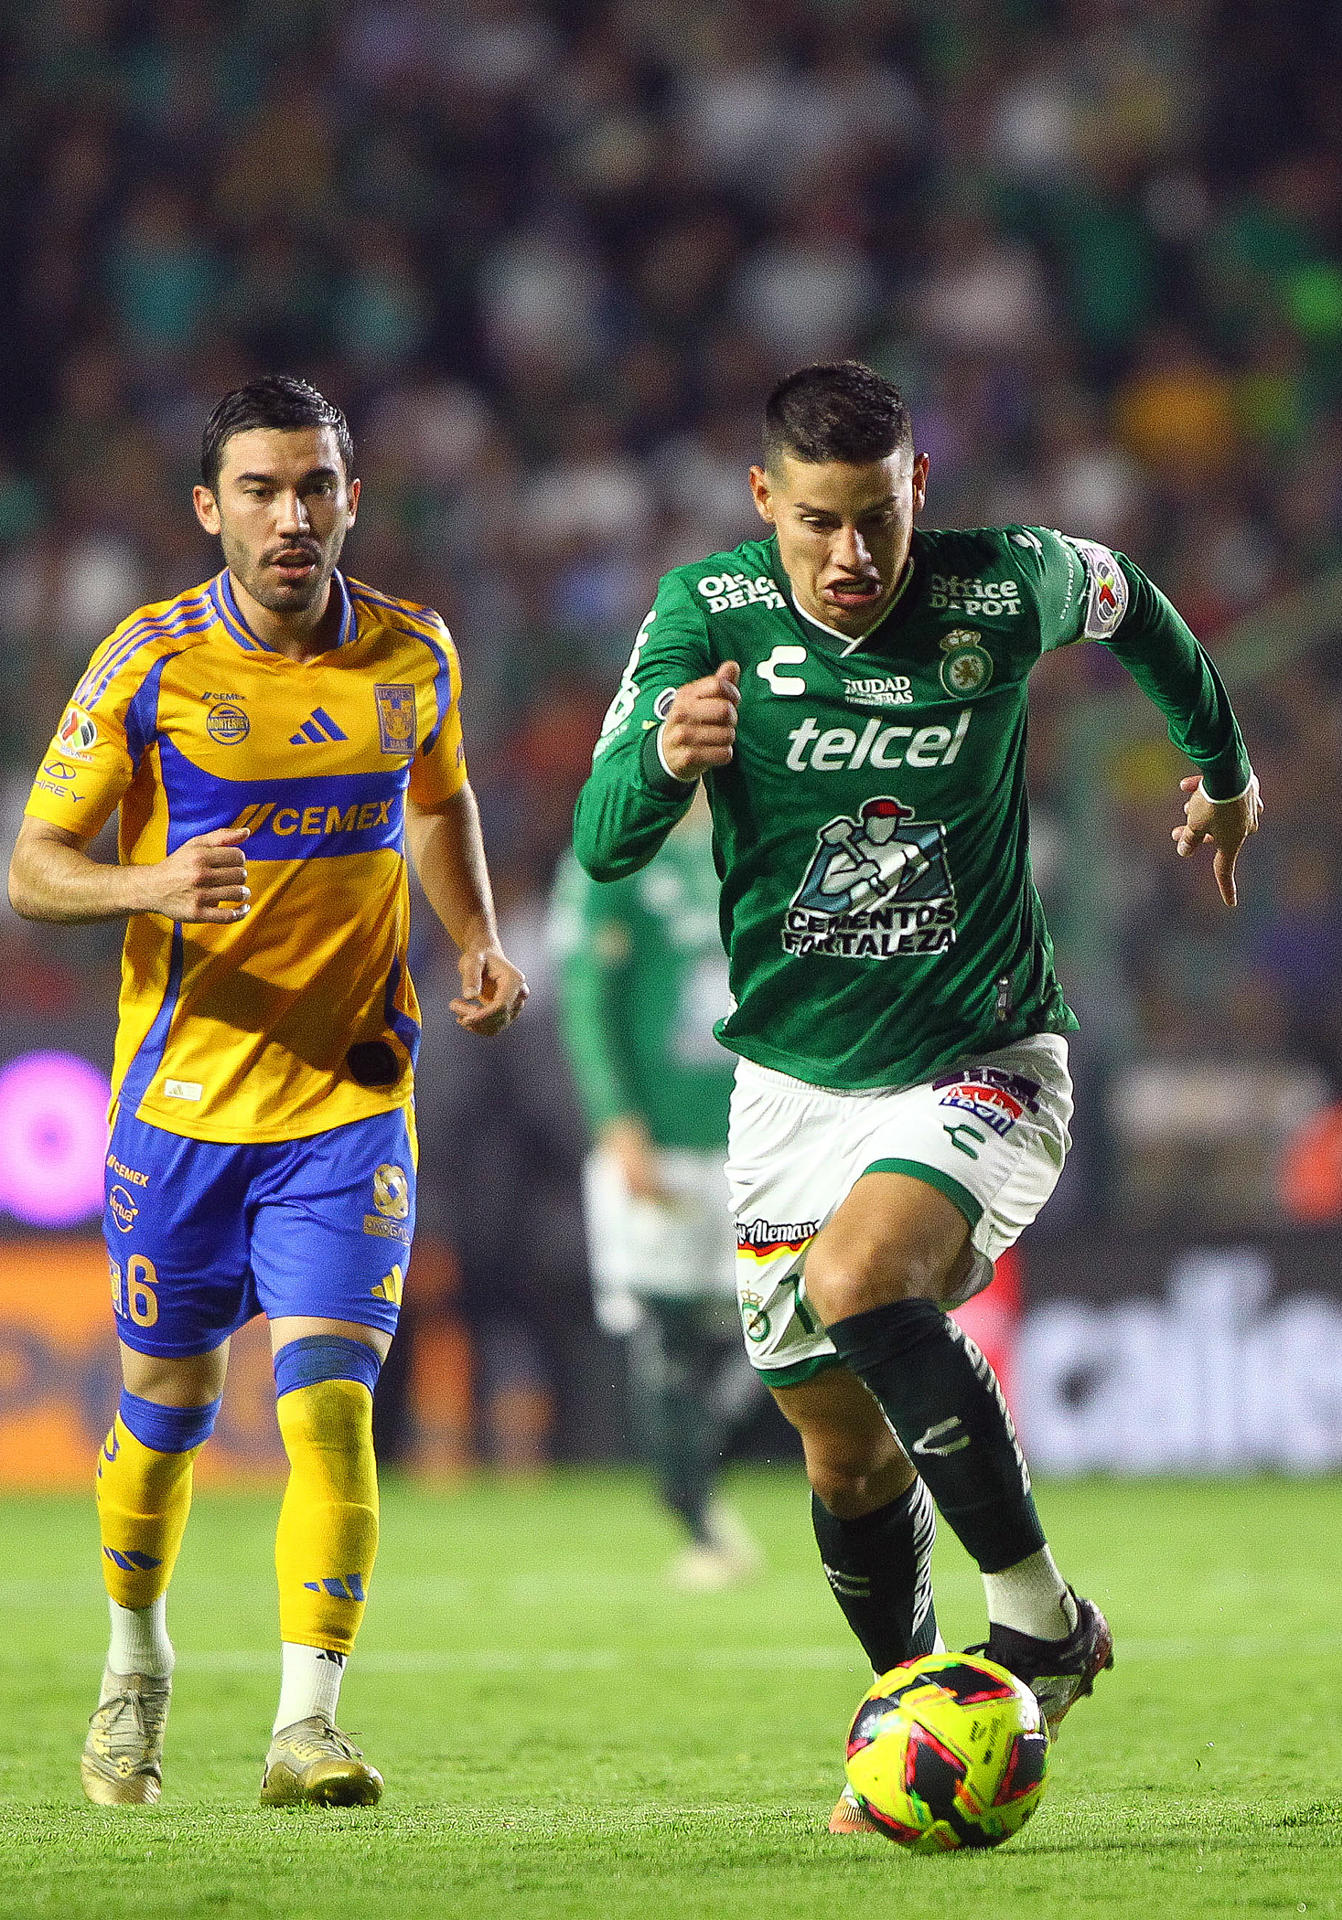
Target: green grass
<point x="563" y="1737"/>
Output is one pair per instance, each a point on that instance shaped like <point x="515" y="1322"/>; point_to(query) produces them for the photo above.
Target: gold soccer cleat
<point x="848" y="1816"/>
<point x="122" y="1762"/>
<point x="312" y="1764"/>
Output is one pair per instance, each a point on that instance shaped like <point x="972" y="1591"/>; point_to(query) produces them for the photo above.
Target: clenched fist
<point x="206" y="879"/>
<point x="700" y="727"/>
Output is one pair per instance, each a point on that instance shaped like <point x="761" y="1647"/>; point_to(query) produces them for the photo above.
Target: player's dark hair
<point x="275" y="400"/>
<point x="841" y="410"/>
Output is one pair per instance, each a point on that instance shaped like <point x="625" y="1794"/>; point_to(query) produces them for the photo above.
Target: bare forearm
<point x="449" y="856"/>
<point x="49" y="881"/>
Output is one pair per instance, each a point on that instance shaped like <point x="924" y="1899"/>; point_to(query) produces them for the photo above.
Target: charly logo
<point x="968" y="666"/>
<point x="783" y="656"/>
<point x="122" y="1208"/>
<point x="396" y="717"/>
<point x="227" y="724"/>
<point x="753" y="1316"/>
<point x="878" y="885"/>
<point x="391" y="1192"/>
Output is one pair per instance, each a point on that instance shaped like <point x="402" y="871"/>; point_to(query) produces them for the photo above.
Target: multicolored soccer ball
<point x="948" y="1751"/>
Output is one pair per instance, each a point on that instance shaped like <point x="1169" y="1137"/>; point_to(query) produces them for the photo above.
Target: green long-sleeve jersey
<point x="642" y="979"/>
<point x="871" y="830"/>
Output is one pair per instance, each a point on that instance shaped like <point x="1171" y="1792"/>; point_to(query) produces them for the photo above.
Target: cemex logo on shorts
<point x="991" y="1094"/>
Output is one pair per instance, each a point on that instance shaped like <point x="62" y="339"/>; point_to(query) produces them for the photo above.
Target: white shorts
<point x="681" y="1250"/>
<point x="991" y="1134"/>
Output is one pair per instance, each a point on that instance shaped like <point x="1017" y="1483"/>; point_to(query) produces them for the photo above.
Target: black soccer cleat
<point x="1057" y="1672"/>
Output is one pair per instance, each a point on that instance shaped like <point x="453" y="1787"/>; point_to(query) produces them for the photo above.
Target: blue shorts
<point x="203" y="1235"/>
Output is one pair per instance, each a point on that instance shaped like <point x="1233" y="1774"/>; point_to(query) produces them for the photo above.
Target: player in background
<point x="902" y="1100"/>
<point x="273" y="739"/>
<point x="642" y="978"/>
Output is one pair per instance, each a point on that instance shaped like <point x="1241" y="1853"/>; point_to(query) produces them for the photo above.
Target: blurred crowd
<point x="550" y="258"/>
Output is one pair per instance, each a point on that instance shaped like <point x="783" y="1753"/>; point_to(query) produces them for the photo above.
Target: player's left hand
<point x="1222" y="824"/>
<point x="492" y="990"/>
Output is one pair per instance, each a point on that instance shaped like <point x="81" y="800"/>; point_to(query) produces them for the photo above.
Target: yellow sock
<point x="144" y="1498"/>
<point x="327" y="1537"/>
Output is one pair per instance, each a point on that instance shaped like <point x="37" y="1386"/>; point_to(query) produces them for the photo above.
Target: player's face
<point x="282" y="508"/>
<point x="843" y="531"/>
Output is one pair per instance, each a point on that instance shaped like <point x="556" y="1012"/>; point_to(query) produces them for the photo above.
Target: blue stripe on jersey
<point x="142" y="713"/>
<point x="407" y="1031"/>
<point x="418" y="617"/>
<point x="224" y="598"/>
<point x="192" y="615"/>
<point x="314" y="816"/>
<point x="221" y="593"/>
<point x="121" y="645"/>
<point x="179" y="626"/>
<point x="149" y="1053"/>
<point x="442" y="693"/>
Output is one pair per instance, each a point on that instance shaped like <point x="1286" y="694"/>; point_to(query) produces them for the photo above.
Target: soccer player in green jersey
<point x="852" y="692"/>
<point x="642" y="978"/>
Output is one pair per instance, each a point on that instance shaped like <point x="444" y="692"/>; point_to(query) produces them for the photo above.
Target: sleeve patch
<point x="1107" y="595"/>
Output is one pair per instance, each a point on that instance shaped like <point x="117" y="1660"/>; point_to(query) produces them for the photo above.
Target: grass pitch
<point x="563" y="1737"/>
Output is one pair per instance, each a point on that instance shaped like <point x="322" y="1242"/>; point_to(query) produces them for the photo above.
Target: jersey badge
<point x="78" y="733"/>
<point x="968" y="666"/>
<point x="396" y="717"/>
<point x="1107" y="600"/>
<point x="391" y="1192"/>
<point x="227" y="724"/>
<point x="877" y="886"/>
<point x="788" y="684"/>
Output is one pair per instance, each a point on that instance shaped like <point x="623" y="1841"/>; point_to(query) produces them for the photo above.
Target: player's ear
<point x="353" y="491"/>
<point x="759" y="487"/>
<point x="207" y="509"/>
<point x="920" y="467"/>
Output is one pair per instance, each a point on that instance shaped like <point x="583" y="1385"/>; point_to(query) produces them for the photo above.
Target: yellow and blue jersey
<point x="301" y="1016"/>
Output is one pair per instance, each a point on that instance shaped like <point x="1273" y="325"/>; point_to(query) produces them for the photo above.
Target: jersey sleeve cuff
<point x="656" y="773"/>
<point x="1223" y="784"/>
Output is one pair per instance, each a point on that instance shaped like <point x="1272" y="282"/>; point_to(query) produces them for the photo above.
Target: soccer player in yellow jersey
<point x="273" y="739"/>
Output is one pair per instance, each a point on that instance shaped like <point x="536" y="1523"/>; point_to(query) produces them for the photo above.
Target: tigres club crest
<point x="968" y="666"/>
<point x="396" y="717"/>
<point x="391" y="1192"/>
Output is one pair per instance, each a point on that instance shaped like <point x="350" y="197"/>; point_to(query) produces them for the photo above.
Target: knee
<point x="324" y="1394"/>
<point x="851" y="1482"/>
<point x="840" y="1282"/>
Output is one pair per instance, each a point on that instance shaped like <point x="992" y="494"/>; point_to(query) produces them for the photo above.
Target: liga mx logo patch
<point x="78" y="733"/>
<point x="396" y="717"/>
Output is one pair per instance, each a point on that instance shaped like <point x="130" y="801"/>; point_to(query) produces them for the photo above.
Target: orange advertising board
<point x="59" y="1374"/>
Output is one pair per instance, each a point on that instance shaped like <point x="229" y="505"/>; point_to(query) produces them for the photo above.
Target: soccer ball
<point x="948" y="1751"/>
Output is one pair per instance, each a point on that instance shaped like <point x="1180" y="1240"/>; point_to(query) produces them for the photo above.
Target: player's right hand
<point x="206" y="879"/>
<point x="699" y="731"/>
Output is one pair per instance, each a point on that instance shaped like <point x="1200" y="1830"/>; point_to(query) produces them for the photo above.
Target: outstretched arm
<point x="449" y="856"/>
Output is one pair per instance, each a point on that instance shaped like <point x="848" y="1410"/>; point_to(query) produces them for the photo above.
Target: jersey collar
<point x="231" y="615"/>
<point x="849" y="643"/>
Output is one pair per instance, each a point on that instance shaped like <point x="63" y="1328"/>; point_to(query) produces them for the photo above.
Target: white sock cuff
<point x="139" y="1640"/>
<point x="310" y="1680"/>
